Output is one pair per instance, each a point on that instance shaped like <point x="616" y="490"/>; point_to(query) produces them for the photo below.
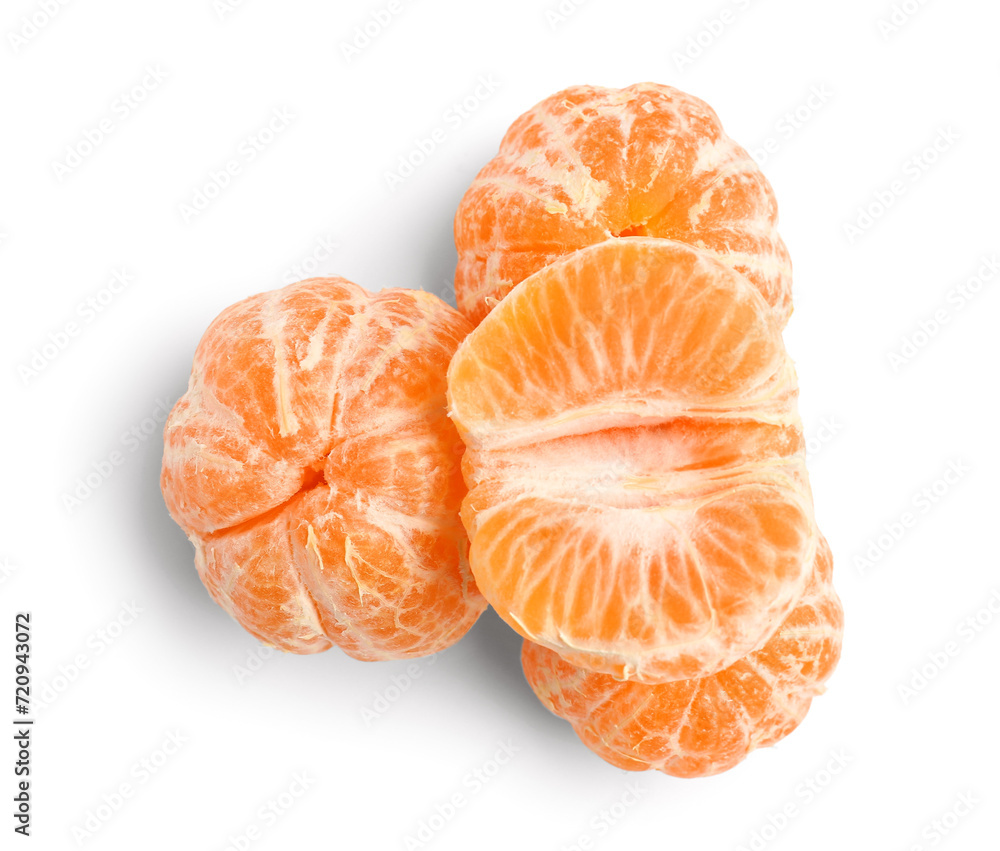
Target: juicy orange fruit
<point x="697" y="727"/>
<point x="638" y="499"/>
<point x="313" y="466"/>
<point x="589" y="164"/>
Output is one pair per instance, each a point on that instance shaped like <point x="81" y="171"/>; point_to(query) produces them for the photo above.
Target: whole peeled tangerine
<point x="312" y="464"/>
<point x="590" y="164"/>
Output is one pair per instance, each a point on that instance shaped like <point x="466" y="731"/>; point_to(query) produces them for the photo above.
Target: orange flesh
<point x="590" y="164"/>
<point x="638" y="496"/>
<point x="314" y="468"/>
<point x="701" y="726"/>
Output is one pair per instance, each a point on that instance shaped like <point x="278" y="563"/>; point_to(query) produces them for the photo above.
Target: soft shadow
<point x="168" y="551"/>
<point x="435" y="266"/>
<point x="493" y="664"/>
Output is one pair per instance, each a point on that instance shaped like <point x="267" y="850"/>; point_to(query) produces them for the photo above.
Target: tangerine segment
<point x="251" y="571"/>
<point x="313" y="466"/>
<point x="257" y="415"/>
<point x="652" y="594"/>
<point x="701" y="726"/>
<point x="589" y="164"/>
<point x="630" y="330"/>
<point x="638" y="496"/>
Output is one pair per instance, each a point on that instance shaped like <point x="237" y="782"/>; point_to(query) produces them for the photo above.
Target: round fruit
<point x="312" y="464"/>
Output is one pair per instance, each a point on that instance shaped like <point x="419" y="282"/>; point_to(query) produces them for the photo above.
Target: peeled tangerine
<point x="312" y="464"/>
<point x="589" y="164"/>
<point x="697" y="727"/>
<point x="638" y="499"/>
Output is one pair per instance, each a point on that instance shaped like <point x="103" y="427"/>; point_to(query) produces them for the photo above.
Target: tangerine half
<point x="638" y="498"/>
<point x="312" y="464"/>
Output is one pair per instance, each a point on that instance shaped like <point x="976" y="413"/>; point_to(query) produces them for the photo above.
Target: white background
<point x="892" y="428"/>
